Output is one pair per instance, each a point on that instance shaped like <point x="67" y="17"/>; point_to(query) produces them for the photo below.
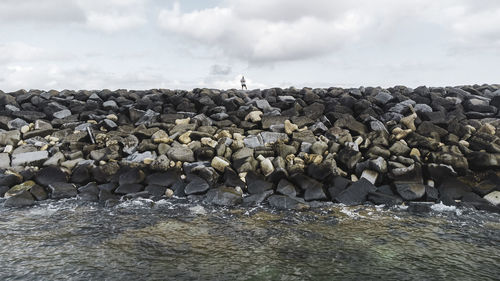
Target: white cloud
<point x="257" y="38"/>
<point x="40" y="11"/>
<point x="103" y="15"/>
<point x="283" y="30"/>
<point x="114" y="15"/>
<point x="218" y="69"/>
<point x="15" y="52"/>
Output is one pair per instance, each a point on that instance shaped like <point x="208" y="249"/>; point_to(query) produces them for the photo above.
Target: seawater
<point x="182" y="240"/>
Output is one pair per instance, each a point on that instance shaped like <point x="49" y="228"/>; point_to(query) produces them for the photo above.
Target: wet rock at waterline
<point x="285" y="147"/>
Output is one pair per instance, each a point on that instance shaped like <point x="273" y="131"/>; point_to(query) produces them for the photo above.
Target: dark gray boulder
<point x="60" y="190"/>
<point x="196" y="185"/>
<point x="256" y="199"/>
<point x="286" y="188"/>
<point x="50" y="175"/>
<point x="256" y="183"/>
<point x="284" y="202"/>
<point x="357" y="193"/>
<point x="223" y="196"/>
<point x="22" y="199"/>
<point x="410" y="190"/>
<point x="127" y="188"/>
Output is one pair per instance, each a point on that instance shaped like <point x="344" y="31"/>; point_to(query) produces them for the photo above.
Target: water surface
<point x="179" y="240"/>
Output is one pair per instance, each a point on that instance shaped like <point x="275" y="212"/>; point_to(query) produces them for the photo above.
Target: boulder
<point x="50" y="175"/>
<point x="10" y="137"/>
<point x="357" y="193"/>
<point x="9" y="180"/>
<point x="39" y="192"/>
<point x="256" y="199"/>
<point x="380" y="198"/>
<point x="286" y="203"/>
<point x="19" y="188"/>
<point x="166" y="179"/>
<point x="30" y="158"/>
<point x="223" y="196"/>
<point x="60" y="190"/>
<point x="256" y="183"/>
<point x="131" y="176"/>
<point x="286" y="188"/>
<point x="493" y="198"/>
<point x="315" y="193"/>
<point x="196" y="185"/>
<point x="127" y="188"/>
<point x="410" y="190"/>
<point x="181" y="153"/>
<point x="22" y="199"/>
<point x="89" y="192"/>
<point x="4" y="160"/>
<point x="155" y="189"/>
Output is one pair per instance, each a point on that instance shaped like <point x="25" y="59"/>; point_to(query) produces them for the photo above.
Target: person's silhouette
<point x="243" y="83"/>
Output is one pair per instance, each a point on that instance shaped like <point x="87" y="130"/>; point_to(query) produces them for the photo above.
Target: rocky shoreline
<point x="290" y="148"/>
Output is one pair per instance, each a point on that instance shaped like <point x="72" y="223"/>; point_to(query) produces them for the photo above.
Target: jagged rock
<point x="196" y="185"/>
<point x="410" y="190"/>
<point x="253" y="141"/>
<point x="4" y="160"/>
<point x="49" y="175"/>
<point x="156" y="190"/>
<point x="131" y="176"/>
<point x="9" y="137"/>
<point x="286" y="203"/>
<point x="18" y="189"/>
<point x="16" y="124"/>
<point x="22" y="199"/>
<point x="286" y="188"/>
<point x="256" y="183"/>
<point x="89" y="192"/>
<point x="272" y="137"/>
<point x="181" y="153"/>
<point x="256" y="199"/>
<point x="304" y="136"/>
<point x="223" y="196"/>
<point x="453" y="189"/>
<point x="315" y="193"/>
<point x="385" y="199"/>
<point x="348" y="121"/>
<point x="399" y="148"/>
<point x="219" y="164"/>
<point x="60" y="190"/>
<point x="349" y="158"/>
<point x="493" y="198"/>
<point x="128" y="188"/>
<point x="357" y="193"/>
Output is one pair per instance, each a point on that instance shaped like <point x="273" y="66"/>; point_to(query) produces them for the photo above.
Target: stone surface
<point x="22" y="199"/>
<point x="493" y="198"/>
<point x="35" y="158"/>
<point x="357" y="193"/>
<point x="224" y="196"/>
<point x="196" y="185"/>
<point x="256" y="183"/>
<point x="60" y="190"/>
<point x="286" y="203"/>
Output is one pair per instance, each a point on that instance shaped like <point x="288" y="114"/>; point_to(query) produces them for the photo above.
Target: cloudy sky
<point x="142" y="44"/>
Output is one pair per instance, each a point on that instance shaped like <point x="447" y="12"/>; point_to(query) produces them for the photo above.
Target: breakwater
<point x="289" y="148"/>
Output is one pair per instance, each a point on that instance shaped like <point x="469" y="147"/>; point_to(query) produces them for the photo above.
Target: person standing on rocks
<point x="243" y="83"/>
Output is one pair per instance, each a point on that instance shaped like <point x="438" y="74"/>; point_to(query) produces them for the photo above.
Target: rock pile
<point x="288" y="147"/>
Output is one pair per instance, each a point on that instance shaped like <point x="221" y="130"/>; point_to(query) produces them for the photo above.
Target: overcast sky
<point x="142" y="44"/>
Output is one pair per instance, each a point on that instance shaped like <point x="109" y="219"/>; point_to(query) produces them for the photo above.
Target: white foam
<point x="198" y="210"/>
<point x="440" y="207"/>
<point x="138" y="202"/>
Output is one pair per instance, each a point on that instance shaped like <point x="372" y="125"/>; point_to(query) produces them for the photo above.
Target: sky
<point x="145" y="44"/>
